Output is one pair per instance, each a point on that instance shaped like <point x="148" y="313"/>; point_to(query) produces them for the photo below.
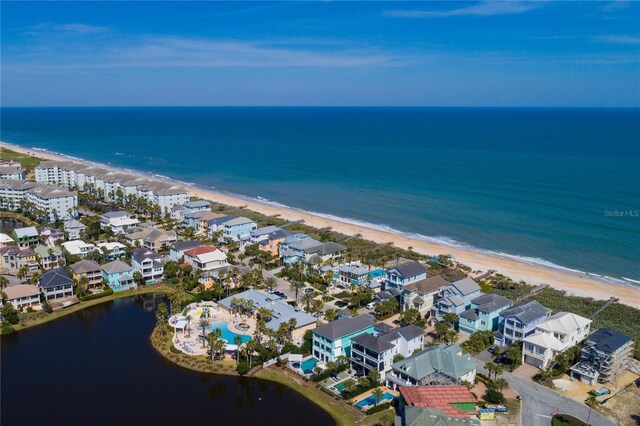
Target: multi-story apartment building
<point x="57" y="203"/>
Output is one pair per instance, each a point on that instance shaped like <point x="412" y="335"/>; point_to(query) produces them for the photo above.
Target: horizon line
<point x="326" y="106"/>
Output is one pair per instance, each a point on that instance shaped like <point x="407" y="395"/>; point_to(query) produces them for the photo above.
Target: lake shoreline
<point x="576" y="283"/>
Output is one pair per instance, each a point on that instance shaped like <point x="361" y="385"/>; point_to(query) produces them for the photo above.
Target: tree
<point x="162" y="315"/>
<point x="265" y="314"/>
<point x="410" y="316"/>
<point x="306" y="299"/>
<point x="296" y="286"/>
<point x="3" y="282"/>
<point x="237" y="341"/>
<point x="494" y="396"/>
<point x="330" y="314"/>
<point x="592" y="402"/>
<point x="451" y="318"/>
<point x="9" y="313"/>
<point x="203" y="325"/>
<point x="374" y="376"/>
<point x="138" y="278"/>
<point x="513" y="353"/>
<point x="398" y="358"/>
<point x="271" y="283"/>
<point x="377" y="394"/>
<point x="501" y="384"/>
<point x="22" y="273"/>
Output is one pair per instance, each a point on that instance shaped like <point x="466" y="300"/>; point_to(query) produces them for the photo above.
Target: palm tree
<point x="271" y="283"/>
<point x="3" y="282"/>
<point x="330" y="314"/>
<point x="188" y="318"/>
<point x="237" y="341"/>
<point x="306" y="299"/>
<point x="591" y="401"/>
<point x="162" y="314"/>
<point x="296" y="286"/>
<point x="203" y="324"/>
<point x="377" y="394"/>
<point x="501" y="384"/>
<point x="265" y="314"/>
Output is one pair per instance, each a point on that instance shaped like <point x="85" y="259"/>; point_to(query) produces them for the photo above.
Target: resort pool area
<point x="371" y="400"/>
<point x="227" y="334"/>
<point x="308" y="365"/>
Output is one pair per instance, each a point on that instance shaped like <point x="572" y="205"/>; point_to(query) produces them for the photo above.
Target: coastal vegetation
<point x="27" y="162"/>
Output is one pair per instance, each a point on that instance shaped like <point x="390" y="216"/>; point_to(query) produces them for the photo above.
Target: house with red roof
<point x="205" y="258"/>
<point x="446" y="403"/>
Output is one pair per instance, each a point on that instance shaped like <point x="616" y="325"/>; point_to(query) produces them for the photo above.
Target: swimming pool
<point x="227" y="334"/>
<point x="376" y="273"/>
<point x="371" y="400"/>
<point x="308" y="365"/>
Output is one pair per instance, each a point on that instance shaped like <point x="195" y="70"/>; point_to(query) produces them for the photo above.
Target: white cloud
<point x="75" y="28"/>
<point x="619" y="39"/>
<point x="485" y="8"/>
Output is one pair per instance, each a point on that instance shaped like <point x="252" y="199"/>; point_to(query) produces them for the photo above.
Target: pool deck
<point x="368" y="393"/>
<point x="187" y="340"/>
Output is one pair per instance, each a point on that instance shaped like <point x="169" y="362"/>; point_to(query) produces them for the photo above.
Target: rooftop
<point x="185" y="245"/>
<point x="85" y="266"/>
<point x="439" y="397"/>
<point x="448" y="360"/>
<point x="115" y="267"/>
<point x="607" y="340"/>
<point x="563" y="323"/>
<point x="409" y="268"/>
<point x="526" y="312"/>
<point x="29" y="231"/>
<point x="55" y="277"/>
<point x="345" y="326"/>
<point x="427" y="285"/>
<point x="21" y="290"/>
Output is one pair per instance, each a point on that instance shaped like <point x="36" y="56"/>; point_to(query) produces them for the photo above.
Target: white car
<point x="371" y="305"/>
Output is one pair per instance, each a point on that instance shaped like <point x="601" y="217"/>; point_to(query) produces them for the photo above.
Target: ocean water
<point x="552" y="186"/>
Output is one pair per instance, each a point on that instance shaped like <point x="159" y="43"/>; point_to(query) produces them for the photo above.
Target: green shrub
<point x="494" y="396"/>
<point x="108" y="291"/>
<point x="6" y="329"/>
<point x="379" y="407"/>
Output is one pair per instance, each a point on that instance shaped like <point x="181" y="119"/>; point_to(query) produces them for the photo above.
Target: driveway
<point x="283" y="285"/>
<point x="539" y="403"/>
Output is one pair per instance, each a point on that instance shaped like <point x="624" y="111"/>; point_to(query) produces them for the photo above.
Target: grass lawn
<point x="27" y="162"/>
<point x="566" y="420"/>
<point x="36" y="318"/>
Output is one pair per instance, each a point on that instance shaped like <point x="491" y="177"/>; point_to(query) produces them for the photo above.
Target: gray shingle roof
<point x="526" y="312"/>
<point x="85" y="266"/>
<point x="466" y="286"/>
<point x="115" y="267"/>
<point x="55" y="277"/>
<point x="607" y="340"/>
<point x="185" y="245"/>
<point x="409" y="269"/>
<point x="443" y="359"/>
<point x="491" y="302"/>
<point x="427" y="285"/>
<point x="343" y="327"/>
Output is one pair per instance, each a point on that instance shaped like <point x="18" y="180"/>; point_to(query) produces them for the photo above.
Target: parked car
<point x="309" y="290"/>
<point x="371" y="305"/>
<point x="280" y="294"/>
<point x="341" y="304"/>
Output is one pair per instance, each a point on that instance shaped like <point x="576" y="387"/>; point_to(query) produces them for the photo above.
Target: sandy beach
<point x="572" y="283"/>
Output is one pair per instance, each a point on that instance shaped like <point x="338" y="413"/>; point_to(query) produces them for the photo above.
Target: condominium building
<point x="57" y="203"/>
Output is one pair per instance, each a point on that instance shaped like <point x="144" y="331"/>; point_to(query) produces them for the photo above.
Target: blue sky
<point x="497" y="53"/>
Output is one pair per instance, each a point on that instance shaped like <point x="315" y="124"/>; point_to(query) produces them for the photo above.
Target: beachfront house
<point x="552" y="336"/>
<point x="302" y="248"/>
<point x="118" y="221"/>
<point x="271" y="243"/>
<point x="73" y="228"/>
<point x="436" y="365"/>
<point x="375" y="352"/>
<point x="26" y="237"/>
<point x="334" y="339"/>
<point x="22" y="296"/>
<point x="118" y="275"/>
<point x="56" y="284"/>
<point x="12" y="171"/>
<point x="78" y="248"/>
<point x="606" y="354"/>
<point x="484" y="313"/>
<point x="405" y="273"/>
<point x="89" y="269"/>
<point x="215" y="226"/>
<point x="261" y="234"/>
<point x="191" y="219"/>
<point x="149" y="263"/>
<point x="421" y="295"/>
<point x="238" y="229"/>
<point x="436" y="405"/>
<point x="177" y="249"/>
<point x="455" y="298"/>
<point x="112" y="250"/>
<point x="159" y="239"/>
<point x="198" y="205"/>
<point x="205" y="258"/>
<point x="348" y="275"/>
<point x="281" y="311"/>
<point x="519" y="321"/>
<point x="49" y="257"/>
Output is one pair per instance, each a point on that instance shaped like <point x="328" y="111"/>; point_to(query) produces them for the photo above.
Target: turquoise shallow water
<point x="553" y="186"/>
<point x="227" y="334"/>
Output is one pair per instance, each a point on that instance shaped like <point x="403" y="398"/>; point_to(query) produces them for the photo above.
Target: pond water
<point x="7" y="225"/>
<point x="97" y="367"/>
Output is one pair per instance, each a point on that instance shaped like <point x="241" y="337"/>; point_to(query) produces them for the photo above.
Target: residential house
<point x="552" y="336"/>
<point x="90" y="269"/>
<point x="49" y="257"/>
<point x="388" y="294"/>
<point x="205" y="258"/>
<point x="136" y="237"/>
<point x="436" y="405"/>
<point x="118" y="275"/>
<point x="261" y="234"/>
<point x="118" y="221"/>
<point x="334" y="339"/>
<point x="56" y="284"/>
<point x="26" y="237"/>
<point x="79" y="248"/>
<point x="177" y="212"/>
<point x="191" y="219"/>
<point x="238" y="229"/>
<point x="159" y="239"/>
<point x="455" y="298"/>
<point x="112" y="250"/>
<point x="51" y="236"/>
<point x="205" y="221"/>
<point x="149" y="263"/>
<point x="348" y="275"/>
<point x="302" y="248"/>
<point x="74" y="229"/>
<point x="215" y="226"/>
<point x="14" y="258"/>
<point x="6" y="240"/>
<point x="519" y="321"/>
<point x="405" y="273"/>
<point x="198" y="205"/>
<point x="177" y="249"/>
<point x="436" y="365"/>
<point x="271" y="243"/>
<point x="281" y="311"/>
<point x="606" y="354"/>
<point x="421" y="294"/>
<point x="484" y="313"/>
<point x="11" y="171"/>
<point x="23" y="296"/>
<point x="375" y="352"/>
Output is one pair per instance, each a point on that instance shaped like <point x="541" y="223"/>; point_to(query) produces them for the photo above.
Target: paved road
<point x="539" y="403"/>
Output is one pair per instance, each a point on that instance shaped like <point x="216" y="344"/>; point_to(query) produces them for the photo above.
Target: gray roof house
<point x="179" y="247"/>
<point x="421" y="295"/>
<point x="334" y="339"/>
<point x="606" y="354"/>
<point x="519" y="321"/>
<point x="405" y="273"/>
<point x="455" y="298"/>
<point x="484" y="313"/>
<point x="56" y="284"/>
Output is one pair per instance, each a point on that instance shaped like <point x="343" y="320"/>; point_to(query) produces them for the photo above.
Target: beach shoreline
<point x="576" y="283"/>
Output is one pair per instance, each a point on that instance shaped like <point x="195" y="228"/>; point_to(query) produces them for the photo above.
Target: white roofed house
<point x="149" y="263"/>
<point x="74" y="228"/>
<point x="119" y="221"/>
<point x="205" y="258"/>
<point x="112" y="250"/>
<point x="238" y="229"/>
<point x="26" y="237"/>
<point x="261" y="234"/>
<point x="6" y="240"/>
<point x="78" y="248"/>
<point x="552" y="336"/>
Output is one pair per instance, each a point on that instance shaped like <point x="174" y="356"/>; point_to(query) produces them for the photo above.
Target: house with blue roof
<point x="302" y="248"/>
<point x="198" y="205"/>
<point x="215" y="225"/>
<point x="56" y="284"/>
<point x="484" y="313"/>
<point x="519" y="321"/>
